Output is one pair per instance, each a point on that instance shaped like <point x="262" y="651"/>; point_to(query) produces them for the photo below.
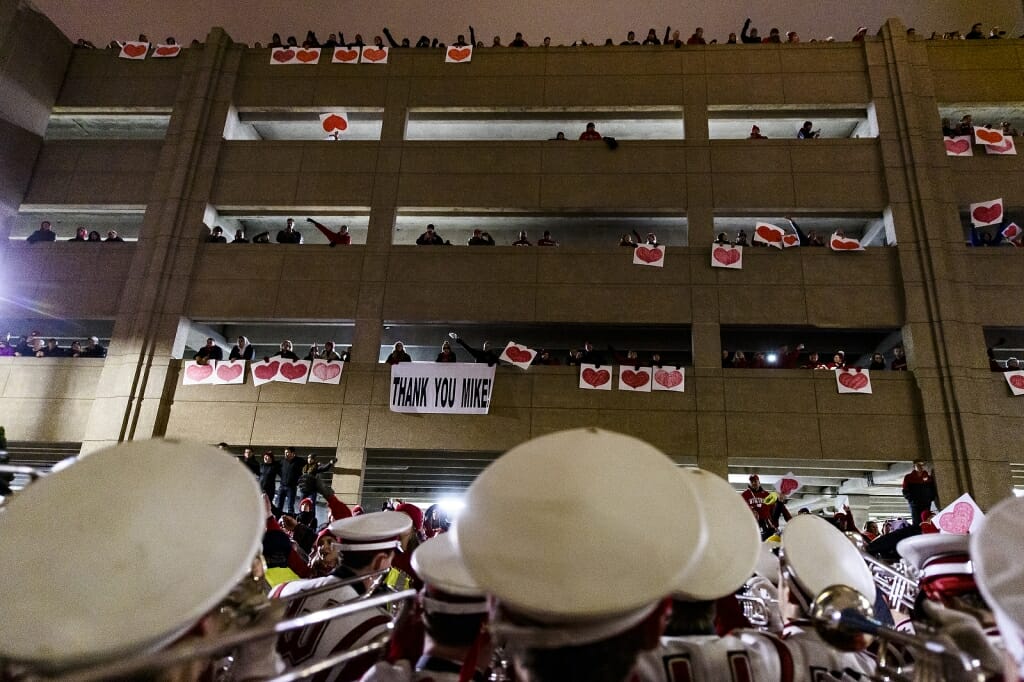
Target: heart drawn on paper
<point x="135" y="50"/>
<point x="284" y="56"/>
<point x="292" y="371"/>
<point x="267" y="371"/>
<point x="374" y="55"/>
<point x="787" y="486"/>
<point x="1012" y="231"/>
<point x="648" y="255"/>
<point x="843" y="244"/>
<point x="335" y="122"/>
<point x="199" y="372"/>
<point x="791" y="240"/>
<point x="959" y="520"/>
<point x="1006" y="146"/>
<point x="988" y="214"/>
<point x="1017" y="381"/>
<point x="668" y="378"/>
<point x="957" y="146"/>
<point x="167" y="50"/>
<point x="516" y="354"/>
<point x="726" y="256"/>
<point x="229" y="372"/>
<point x="596" y="378"/>
<point x="459" y="53"/>
<point x="343" y="54"/>
<point x="772" y="235"/>
<point x="635" y="379"/>
<point x="989" y="136"/>
<point x="307" y="56"/>
<point x="326" y="372"/>
<point x="855" y="381"/>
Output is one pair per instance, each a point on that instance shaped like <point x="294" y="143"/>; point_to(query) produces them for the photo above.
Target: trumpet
<point x="899" y="587"/>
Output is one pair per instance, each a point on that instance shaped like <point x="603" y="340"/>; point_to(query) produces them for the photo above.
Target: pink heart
<point x="770" y="234"/>
<point x="168" y="50"/>
<point x="516" y="354"/>
<point x="459" y="53"/>
<point x="598" y="378"/>
<point x="1017" y="381"/>
<point x="957" y="146"/>
<point x="284" y="55"/>
<point x="959" y="520"/>
<point x="326" y="371"/>
<point x="856" y="381"/>
<point x="648" y="255"/>
<point x="668" y="379"/>
<point x="989" y="136"/>
<point x="229" y="372"/>
<point x="374" y="55"/>
<point x="788" y="485"/>
<point x="292" y="371"/>
<point x="988" y="214"/>
<point x="198" y="372"/>
<point x="345" y="55"/>
<point x="267" y="371"/>
<point x="1007" y="145"/>
<point x="135" y="50"/>
<point x="726" y="256"/>
<point x="635" y="379"/>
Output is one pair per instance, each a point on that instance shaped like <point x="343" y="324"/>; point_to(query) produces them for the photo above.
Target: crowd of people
<point x="798" y="357"/>
<point x="45" y="233"/>
<point x="243" y="350"/>
<point x="34" y="345"/>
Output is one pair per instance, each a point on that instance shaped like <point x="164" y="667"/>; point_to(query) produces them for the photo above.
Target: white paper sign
<point x="517" y="355"/>
<point x="727" y="256"/>
<point x="1011" y="232"/>
<point x="842" y="502"/>
<point x="163" y="51"/>
<point x="769" y="234"/>
<point x="636" y="379"/>
<point x="372" y="54"/>
<point x="458" y="55"/>
<point x="790" y="240"/>
<point x="293" y="371"/>
<point x="669" y="379"/>
<point x="345" y="55"/>
<point x="326" y="372"/>
<point x="334" y="123"/>
<point x="441" y="388"/>
<point x="283" y="55"/>
<point x="264" y="371"/>
<point x="645" y="254"/>
<point x="853" y="380"/>
<point x="1007" y="147"/>
<point x="839" y="243"/>
<point x="959" y="145"/>
<point x="231" y="372"/>
<point x="134" y="50"/>
<point x="987" y="213"/>
<point x="788" y="484"/>
<point x="1015" y="380"/>
<point x="961" y="517"/>
<point x="595" y="377"/>
<point x="988" y="136"/>
<point x="196" y="373"/>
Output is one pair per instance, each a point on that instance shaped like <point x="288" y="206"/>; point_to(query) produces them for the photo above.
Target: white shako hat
<point x="374" y="532"/>
<point x="767" y="563"/>
<point x="131" y="580"/>
<point x="997" y="548"/>
<point x="819" y="555"/>
<point x="449" y="587"/>
<point x="728" y="561"/>
<point x="582" y="532"/>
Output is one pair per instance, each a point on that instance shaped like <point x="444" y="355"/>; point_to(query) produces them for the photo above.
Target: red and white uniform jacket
<point x="428" y="669"/>
<point x="816" y="661"/>
<point x="741" y="656"/>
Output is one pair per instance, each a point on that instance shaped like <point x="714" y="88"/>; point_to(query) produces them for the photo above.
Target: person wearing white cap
<point x="578" y="587"/>
<point x="368" y="544"/>
<point x="997" y="549"/>
<point x="815" y="556"/>
<point x="690" y="649"/>
<point x="454" y="613"/>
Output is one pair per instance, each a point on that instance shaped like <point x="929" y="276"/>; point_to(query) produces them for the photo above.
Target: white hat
<point x="921" y="550"/>
<point x="997" y="548"/>
<point x="582" y="530"/>
<point x="377" y="531"/>
<point x="726" y="563"/>
<point x="87" y="606"/>
<point x="820" y="556"/>
<point x="767" y="563"/>
<point x="439" y="565"/>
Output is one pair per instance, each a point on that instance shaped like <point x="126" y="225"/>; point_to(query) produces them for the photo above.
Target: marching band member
<point x="578" y="587"/>
<point x="764" y="584"/>
<point x="368" y="545"/>
<point x="997" y="549"/>
<point x="690" y="649"/>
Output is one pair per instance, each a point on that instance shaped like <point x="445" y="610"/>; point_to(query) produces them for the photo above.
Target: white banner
<point x="441" y="388"/>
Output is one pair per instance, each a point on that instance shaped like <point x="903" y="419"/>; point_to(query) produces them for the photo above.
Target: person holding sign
<point x="398" y="355"/>
<point x="446" y="354"/>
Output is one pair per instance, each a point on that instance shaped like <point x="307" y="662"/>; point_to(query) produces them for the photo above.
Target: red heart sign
<point x="516" y="354"/>
<point x="791" y="240"/>
<point x="852" y="380"/>
<point x="335" y="122"/>
<point x="374" y="55"/>
<point x="787" y="486"/>
<point x="957" y="521"/>
<point x="167" y="50"/>
<point x="648" y="255"/>
<point x="198" y="372"/>
<point x="726" y="256"/>
<point x="292" y="371"/>
<point x="596" y="378"/>
<point x="958" y="146"/>
<point x="307" y="56"/>
<point x="1006" y="146"/>
<point x="988" y="136"/>
<point x="635" y="379"/>
<point x="988" y="214"/>
<point x="343" y="54"/>
<point x="229" y="372"/>
<point x="267" y="371"/>
<point x="843" y="244"/>
<point x="326" y="372"/>
<point x="284" y="55"/>
<point x="1017" y="381"/>
<point x="459" y="53"/>
<point x="135" y="50"/>
<point x="772" y="235"/>
<point x="1012" y="231"/>
<point x="668" y="379"/>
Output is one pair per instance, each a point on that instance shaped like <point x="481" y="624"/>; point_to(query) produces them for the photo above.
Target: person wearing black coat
<point x="269" y="470"/>
<point x="290" y="473"/>
<point x="484" y="354"/>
